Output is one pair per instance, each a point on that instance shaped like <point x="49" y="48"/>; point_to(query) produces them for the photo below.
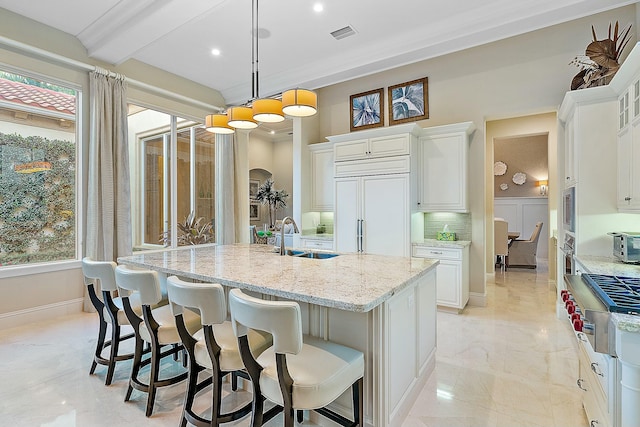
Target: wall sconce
<point x="544" y="186"/>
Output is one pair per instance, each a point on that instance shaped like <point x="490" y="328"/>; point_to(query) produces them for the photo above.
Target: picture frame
<point x="408" y="101"/>
<point x="366" y="110"/>
<point x="254" y="211"/>
<point x="254" y="184"/>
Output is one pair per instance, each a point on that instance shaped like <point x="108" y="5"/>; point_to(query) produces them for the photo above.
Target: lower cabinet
<point x="452" y="282"/>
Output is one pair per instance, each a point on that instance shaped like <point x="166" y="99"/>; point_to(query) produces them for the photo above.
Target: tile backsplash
<point x="460" y="223"/>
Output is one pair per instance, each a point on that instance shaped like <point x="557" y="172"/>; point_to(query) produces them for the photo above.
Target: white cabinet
<point x="452" y="278"/>
<point x="372" y="214"/>
<point x="321" y="172"/>
<point x="629" y="149"/>
<point x="570" y="168"/>
<point x="384" y="146"/>
<point x="443" y="168"/>
<point x="375" y="143"/>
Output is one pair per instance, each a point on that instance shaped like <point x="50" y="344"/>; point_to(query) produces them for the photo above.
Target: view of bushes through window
<point x="37" y="171"/>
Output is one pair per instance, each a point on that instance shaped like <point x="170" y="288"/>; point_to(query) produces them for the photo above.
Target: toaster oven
<point x="626" y="247"/>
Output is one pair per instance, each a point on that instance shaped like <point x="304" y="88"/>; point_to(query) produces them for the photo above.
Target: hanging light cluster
<point x="295" y="102"/>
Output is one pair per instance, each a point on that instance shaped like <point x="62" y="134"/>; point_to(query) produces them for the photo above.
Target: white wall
<point x="522" y="75"/>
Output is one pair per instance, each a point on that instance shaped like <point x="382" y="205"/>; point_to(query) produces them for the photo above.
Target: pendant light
<point x="299" y="102"/>
<point x="296" y="102"/>
<point x="217" y="123"/>
<point x="267" y="110"/>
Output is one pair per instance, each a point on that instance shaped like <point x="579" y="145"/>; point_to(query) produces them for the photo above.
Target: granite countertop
<point x="443" y="243"/>
<point x="353" y="282"/>
<point x="612" y="267"/>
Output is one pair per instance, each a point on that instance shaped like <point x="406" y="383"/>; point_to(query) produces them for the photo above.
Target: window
<point x="154" y="192"/>
<point x="38" y="153"/>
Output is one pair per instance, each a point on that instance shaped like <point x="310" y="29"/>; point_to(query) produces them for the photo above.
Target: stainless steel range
<point x="594" y="297"/>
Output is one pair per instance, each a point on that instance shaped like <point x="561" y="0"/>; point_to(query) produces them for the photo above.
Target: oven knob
<point x="571" y="309"/>
<point x="577" y="325"/>
<point x="575" y="316"/>
<point x="564" y="294"/>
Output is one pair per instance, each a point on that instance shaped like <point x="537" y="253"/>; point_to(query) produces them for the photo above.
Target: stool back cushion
<point x="282" y="319"/>
<point x="206" y="297"/>
<point x="101" y="270"/>
<point x="145" y="282"/>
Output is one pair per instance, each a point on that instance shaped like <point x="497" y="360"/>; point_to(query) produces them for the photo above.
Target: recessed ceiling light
<point x="318" y="7"/>
<point x="215" y="52"/>
<point x="273" y="132"/>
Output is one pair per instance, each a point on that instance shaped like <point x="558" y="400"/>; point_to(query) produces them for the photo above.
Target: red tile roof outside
<point x="33" y="96"/>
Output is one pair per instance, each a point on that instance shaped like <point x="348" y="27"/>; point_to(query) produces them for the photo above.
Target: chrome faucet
<point x="295" y="230"/>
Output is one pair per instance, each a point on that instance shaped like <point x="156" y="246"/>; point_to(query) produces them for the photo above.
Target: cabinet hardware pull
<point x="594" y="423"/>
<point x="579" y="382"/>
<point x="436" y="253"/>
<point x="627" y="198"/>
<point x="596" y="369"/>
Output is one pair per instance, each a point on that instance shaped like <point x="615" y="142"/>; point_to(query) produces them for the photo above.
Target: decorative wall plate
<point x="519" y="178"/>
<point x="499" y="168"/>
<point x="504" y="186"/>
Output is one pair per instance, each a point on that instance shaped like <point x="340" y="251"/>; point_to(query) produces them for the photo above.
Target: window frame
<point x="66" y="264"/>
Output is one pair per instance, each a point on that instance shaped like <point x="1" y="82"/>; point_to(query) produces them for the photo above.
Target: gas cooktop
<point x="619" y="294"/>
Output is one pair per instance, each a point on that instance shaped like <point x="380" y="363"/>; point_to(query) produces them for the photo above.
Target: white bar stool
<point x="110" y="311"/>
<point x="156" y="327"/>
<point x="296" y="373"/>
<point x="214" y="348"/>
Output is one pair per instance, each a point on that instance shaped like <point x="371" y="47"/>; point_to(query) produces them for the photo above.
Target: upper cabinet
<point x="626" y="83"/>
<point x="443" y="156"/>
<point x="321" y="171"/>
<point x="374" y="143"/>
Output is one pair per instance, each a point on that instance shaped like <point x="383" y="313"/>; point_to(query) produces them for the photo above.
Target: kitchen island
<point x="383" y="306"/>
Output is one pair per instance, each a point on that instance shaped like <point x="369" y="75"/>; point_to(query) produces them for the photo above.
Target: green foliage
<point x="33" y="82"/>
<point x="276" y="199"/>
<point x="190" y="232"/>
<point x="37" y="210"/>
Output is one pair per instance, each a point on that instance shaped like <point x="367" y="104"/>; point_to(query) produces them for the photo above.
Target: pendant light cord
<point x="255" y="92"/>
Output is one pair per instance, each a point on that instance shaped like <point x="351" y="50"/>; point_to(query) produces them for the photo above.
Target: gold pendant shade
<point x="241" y="118"/>
<point x="218" y="123"/>
<point x="299" y="102"/>
<point x="267" y="110"/>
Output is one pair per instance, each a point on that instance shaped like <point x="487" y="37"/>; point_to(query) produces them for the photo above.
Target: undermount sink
<point x="306" y="254"/>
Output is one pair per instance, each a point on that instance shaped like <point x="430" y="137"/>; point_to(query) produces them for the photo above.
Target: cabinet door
<point x="624" y="168"/>
<point x="635" y="166"/>
<point x="396" y="145"/>
<point x="386" y="214"/>
<point x="569" y="153"/>
<point x="347" y="213"/>
<point x="444" y="174"/>
<point x="351" y="150"/>
<point x="322" y="179"/>
<point x="448" y="281"/>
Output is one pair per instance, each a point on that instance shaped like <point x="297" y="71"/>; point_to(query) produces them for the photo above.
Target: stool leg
<point x="102" y="332"/>
<point x="153" y="378"/>
<point x="115" y="345"/>
<point x="357" y="390"/>
<point x="135" y="367"/>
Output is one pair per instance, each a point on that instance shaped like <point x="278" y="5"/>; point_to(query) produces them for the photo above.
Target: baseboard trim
<point x="477" y="299"/>
<point x="40" y="313"/>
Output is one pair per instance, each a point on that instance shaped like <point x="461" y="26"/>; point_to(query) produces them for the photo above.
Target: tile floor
<point x="510" y="363"/>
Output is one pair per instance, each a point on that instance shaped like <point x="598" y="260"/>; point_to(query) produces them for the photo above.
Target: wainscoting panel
<point x="522" y="214"/>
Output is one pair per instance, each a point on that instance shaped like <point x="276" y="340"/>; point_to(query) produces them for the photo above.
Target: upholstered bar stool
<point x="296" y="373"/>
<point x="110" y="312"/>
<point x="214" y="347"/>
<point x="156" y="326"/>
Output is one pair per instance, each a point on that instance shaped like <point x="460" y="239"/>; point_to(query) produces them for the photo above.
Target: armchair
<point x="522" y="253"/>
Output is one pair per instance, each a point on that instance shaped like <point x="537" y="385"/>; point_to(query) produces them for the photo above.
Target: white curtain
<point x="108" y="234"/>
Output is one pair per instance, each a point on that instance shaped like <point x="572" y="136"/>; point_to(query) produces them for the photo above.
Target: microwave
<point x="569" y="210"/>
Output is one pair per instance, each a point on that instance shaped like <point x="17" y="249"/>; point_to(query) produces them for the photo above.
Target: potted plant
<point x="275" y="199"/>
<point x="192" y="231"/>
